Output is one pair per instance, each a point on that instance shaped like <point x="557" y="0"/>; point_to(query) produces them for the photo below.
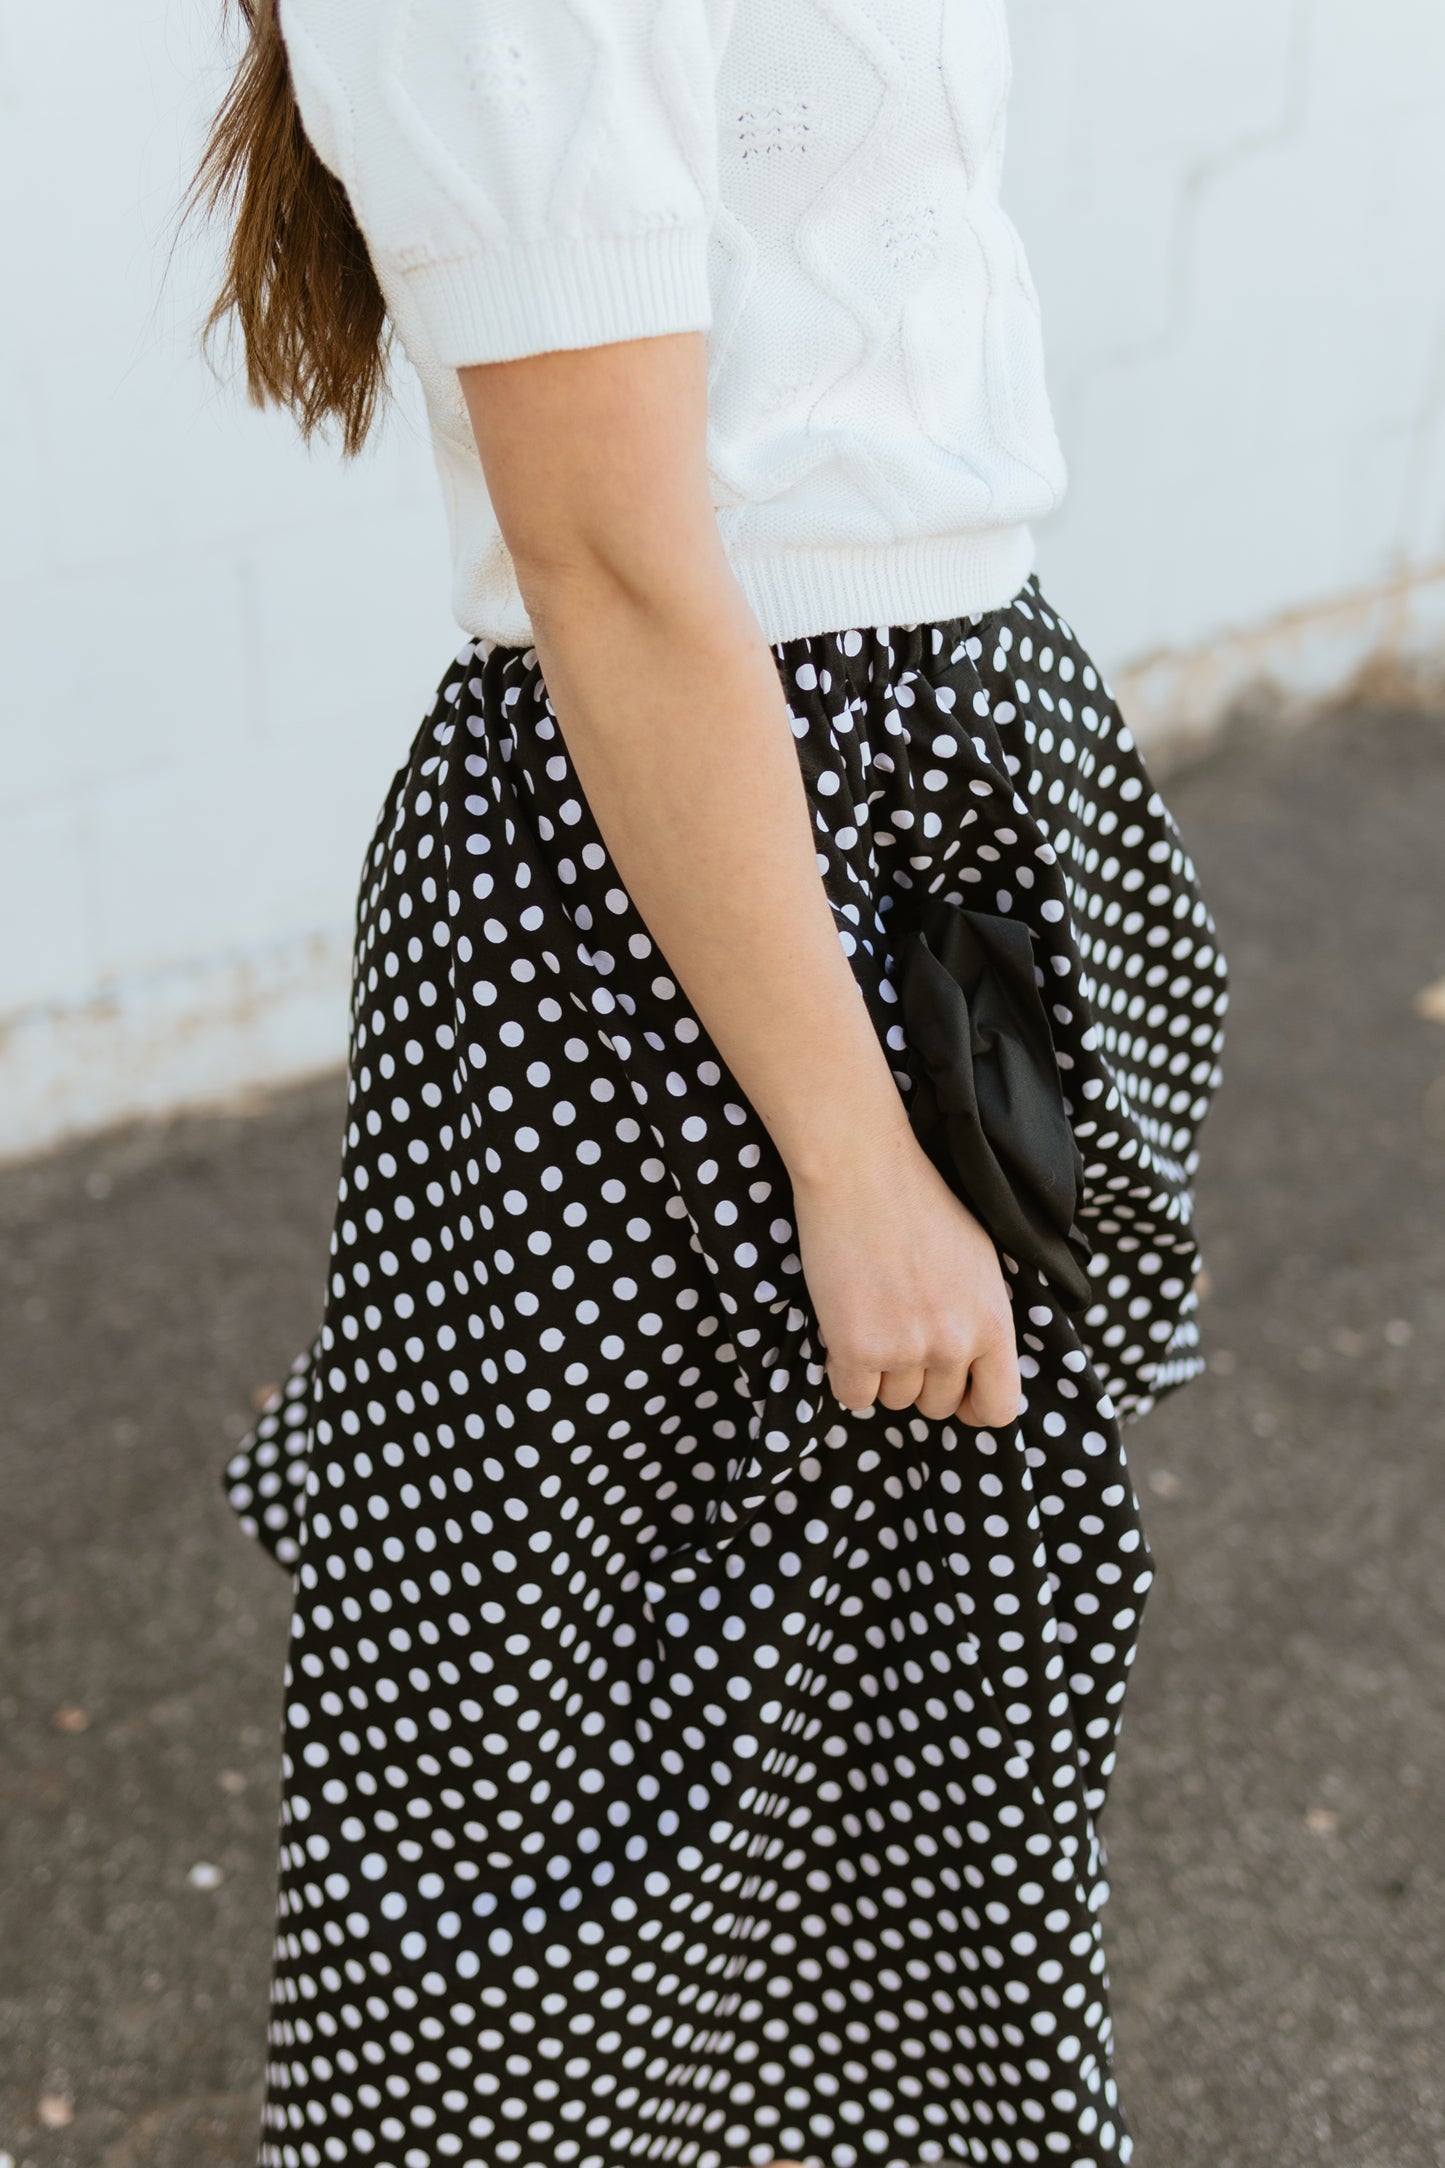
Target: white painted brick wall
<point x="216" y="646"/>
<point x="1233" y="216"/>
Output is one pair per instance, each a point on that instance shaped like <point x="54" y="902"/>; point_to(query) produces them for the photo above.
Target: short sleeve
<point x="536" y="173"/>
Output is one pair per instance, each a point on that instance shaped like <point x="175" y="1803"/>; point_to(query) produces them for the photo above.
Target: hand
<point x="908" y="1290"/>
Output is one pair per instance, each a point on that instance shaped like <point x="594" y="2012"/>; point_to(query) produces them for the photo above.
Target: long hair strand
<point x="298" y="279"/>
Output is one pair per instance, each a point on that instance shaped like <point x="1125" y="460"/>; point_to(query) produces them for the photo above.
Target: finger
<point x="995" y="1393"/>
<point x="900" y="1388"/>
<point x="852" y="1386"/>
<point x="943" y="1389"/>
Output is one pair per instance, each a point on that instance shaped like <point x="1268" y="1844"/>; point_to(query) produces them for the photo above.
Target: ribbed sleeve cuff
<point x="503" y="303"/>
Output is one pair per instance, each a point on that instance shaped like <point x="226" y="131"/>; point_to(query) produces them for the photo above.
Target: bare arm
<point x="671" y="705"/>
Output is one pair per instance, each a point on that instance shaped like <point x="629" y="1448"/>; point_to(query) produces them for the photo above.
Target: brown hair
<point x="298" y="278"/>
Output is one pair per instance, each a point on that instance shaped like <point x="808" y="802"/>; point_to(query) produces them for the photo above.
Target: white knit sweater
<point x="813" y="183"/>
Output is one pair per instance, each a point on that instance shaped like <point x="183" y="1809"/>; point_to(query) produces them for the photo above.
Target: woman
<point x="716" y="1566"/>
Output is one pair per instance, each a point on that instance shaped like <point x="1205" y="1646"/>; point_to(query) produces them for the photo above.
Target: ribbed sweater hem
<point x="797" y="591"/>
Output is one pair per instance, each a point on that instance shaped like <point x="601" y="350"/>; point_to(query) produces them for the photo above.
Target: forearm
<point x="672" y="708"/>
<point x="669" y="699"/>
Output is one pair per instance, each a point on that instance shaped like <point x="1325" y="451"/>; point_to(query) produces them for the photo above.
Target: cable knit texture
<point x="812" y="183"/>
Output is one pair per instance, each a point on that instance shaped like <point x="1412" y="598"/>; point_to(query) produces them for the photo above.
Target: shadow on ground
<point x="1277" y="1927"/>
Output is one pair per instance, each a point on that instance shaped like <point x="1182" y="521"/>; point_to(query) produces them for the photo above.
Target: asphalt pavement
<point x="1275" y="1834"/>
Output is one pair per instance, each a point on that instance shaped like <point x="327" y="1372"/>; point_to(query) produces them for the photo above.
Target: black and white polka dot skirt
<point x="677" y="1767"/>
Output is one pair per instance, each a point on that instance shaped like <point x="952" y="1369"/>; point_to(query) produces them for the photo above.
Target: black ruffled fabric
<point x="988" y="1104"/>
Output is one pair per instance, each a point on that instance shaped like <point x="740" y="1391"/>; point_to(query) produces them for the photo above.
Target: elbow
<point x="575" y="577"/>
